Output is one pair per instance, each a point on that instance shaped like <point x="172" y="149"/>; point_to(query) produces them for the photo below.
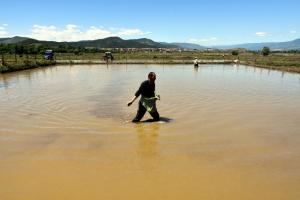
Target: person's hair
<point x="151" y="74"/>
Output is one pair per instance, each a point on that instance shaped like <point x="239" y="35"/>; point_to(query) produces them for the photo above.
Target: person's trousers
<point x="141" y="112"/>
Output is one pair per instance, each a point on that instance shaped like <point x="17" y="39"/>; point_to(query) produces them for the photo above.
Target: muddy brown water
<point x="234" y="133"/>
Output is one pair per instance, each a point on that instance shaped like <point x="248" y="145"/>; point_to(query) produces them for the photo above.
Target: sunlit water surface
<point x="234" y="133"/>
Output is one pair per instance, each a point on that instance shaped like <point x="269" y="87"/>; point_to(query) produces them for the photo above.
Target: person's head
<point x="151" y="77"/>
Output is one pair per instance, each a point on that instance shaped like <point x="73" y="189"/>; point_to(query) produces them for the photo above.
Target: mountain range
<point x="110" y="42"/>
<point x="290" y="45"/>
<point x="117" y="42"/>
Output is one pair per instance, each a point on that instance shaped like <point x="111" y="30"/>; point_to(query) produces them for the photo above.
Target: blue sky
<point x="206" y="22"/>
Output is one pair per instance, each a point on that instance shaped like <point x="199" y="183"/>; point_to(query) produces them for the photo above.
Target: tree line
<point x="40" y="49"/>
<point x="34" y="49"/>
<point x="265" y="51"/>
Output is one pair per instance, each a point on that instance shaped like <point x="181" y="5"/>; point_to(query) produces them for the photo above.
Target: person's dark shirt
<point x="146" y="89"/>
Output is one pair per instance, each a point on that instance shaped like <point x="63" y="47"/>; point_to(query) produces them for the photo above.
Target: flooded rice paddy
<point x="234" y="133"/>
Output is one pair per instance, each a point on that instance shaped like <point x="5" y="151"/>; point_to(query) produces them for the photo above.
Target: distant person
<point x="196" y="64"/>
<point x="148" y="99"/>
<point x="237" y="60"/>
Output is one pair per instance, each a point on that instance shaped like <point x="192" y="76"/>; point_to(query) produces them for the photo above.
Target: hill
<point x="117" y="42"/>
<point x="189" y="45"/>
<point x="110" y="42"/>
<point x="290" y="45"/>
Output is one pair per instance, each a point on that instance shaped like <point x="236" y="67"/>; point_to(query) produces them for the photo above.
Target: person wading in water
<point x="148" y="99"/>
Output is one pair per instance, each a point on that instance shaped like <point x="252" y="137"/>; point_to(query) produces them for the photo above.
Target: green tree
<point x="32" y="49"/>
<point x="265" y="51"/>
<point x="235" y="52"/>
<point x="2" y="51"/>
<point x="20" y="50"/>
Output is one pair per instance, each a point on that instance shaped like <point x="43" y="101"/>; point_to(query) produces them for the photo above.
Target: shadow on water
<point x="108" y="103"/>
<point x="107" y="107"/>
<point x="161" y="120"/>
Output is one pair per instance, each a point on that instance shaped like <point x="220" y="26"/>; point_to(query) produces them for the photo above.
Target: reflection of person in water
<point x="147" y="135"/>
<point x="196" y="64"/>
<point x="147" y="146"/>
<point x="148" y="99"/>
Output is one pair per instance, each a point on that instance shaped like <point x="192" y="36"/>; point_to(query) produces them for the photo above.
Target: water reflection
<point x="4" y="82"/>
<point x="196" y="69"/>
<point x="11" y="79"/>
<point x="269" y="71"/>
<point x="147" y="147"/>
<point x="248" y="122"/>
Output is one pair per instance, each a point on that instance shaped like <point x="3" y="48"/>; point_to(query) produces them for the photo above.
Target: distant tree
<point x="2" y="48"/>
<point x="10" y="48"/>
<point x="235" y="52"/>
<point x="26" y="51"/>
<point x="40" y="49"/>
<point x="2" y="51"/>
<point x="20" y="50"/>
<point x="32" y="49"/>
<point x="265" y="51"/>
<point x="77" y="51"/>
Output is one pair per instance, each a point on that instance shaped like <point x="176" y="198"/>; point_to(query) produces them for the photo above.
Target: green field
<point x="279" y="61"/>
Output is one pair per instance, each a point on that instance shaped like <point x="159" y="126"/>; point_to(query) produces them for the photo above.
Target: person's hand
<point x="129" y="103"/>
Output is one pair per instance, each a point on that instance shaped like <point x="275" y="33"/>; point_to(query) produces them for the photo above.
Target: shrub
<point x="235" y="52"/>
<point x="265" y="51"/>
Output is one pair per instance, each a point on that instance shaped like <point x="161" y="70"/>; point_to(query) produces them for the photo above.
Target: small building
<point x="48" y="55"/>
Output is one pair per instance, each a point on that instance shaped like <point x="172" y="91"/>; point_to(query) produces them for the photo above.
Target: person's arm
<point x="137" y="94"/>
<point x="132" y="100"/>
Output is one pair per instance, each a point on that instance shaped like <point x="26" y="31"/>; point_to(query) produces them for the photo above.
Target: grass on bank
<point x="281" y="61"/>
<point x="10" y="63"/>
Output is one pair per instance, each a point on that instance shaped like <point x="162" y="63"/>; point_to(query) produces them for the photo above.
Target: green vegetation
<point x="265" y="51"/>
<point x="18" y="57"/>
<point x="235" y="53"/>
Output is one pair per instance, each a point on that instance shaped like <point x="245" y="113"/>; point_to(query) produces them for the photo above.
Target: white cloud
<point x="130" y="32"/>
<point x="203" y="40"/>
<point x="3" y="31"/>
<point x="293" y="32"/>
<point x="95" y="33"/>
<point x="261" y="34"/>
<point x="72" y="32"/>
